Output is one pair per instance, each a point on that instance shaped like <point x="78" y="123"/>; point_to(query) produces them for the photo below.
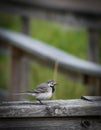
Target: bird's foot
<point x="41" y="103"/>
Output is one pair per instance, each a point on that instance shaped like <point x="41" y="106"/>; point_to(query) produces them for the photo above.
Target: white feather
<point x="45" y="95"/>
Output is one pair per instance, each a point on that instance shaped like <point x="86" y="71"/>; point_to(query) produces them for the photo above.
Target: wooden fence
<point x="78" y="114"/>
<point x="75" y="114"/>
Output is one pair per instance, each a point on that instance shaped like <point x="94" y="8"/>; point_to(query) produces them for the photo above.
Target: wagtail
<point x="43" y="91"/>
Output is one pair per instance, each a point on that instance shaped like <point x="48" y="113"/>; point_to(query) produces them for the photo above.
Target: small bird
<point x="43" y="91"/>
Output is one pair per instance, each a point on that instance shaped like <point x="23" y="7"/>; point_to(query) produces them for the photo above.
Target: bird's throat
<point x="53" y="89"/>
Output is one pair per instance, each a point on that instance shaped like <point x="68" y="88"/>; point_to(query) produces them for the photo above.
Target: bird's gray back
<point x="42" y="88"/>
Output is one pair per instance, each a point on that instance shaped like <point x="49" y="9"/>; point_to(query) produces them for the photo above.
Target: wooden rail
<point x="45" y="53"/>
<point x="75" y="114"/>
<point x="24" y="46"/>
<point x="79" y="12"/>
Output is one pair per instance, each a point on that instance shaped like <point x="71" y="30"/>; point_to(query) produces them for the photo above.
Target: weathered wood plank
<point x="57" y="108"/>
<point x="51" y="123"/>
<point x="75" y="114"/>
<point x="91" y="98"/>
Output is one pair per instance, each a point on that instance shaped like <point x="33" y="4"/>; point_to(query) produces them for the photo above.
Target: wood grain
<point x="50" y="124"/>
<point x="75" y="114"/>
<point x="59" y="108"/>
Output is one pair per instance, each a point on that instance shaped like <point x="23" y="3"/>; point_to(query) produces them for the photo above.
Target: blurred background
<point x="71" y="39"/>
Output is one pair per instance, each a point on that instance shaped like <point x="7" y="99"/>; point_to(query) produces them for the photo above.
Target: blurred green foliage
<point x="100" y="46"/>
<point x="71" y="40"/>
<point x="3" y="71"/>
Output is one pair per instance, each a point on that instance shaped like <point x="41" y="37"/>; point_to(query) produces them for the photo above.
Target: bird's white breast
<point x="46" y="95"/>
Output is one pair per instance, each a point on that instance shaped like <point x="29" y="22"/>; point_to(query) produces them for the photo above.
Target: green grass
<point x="3" y="71"/>
<point x="70" y="40"/>
<point x="100" y="46"/>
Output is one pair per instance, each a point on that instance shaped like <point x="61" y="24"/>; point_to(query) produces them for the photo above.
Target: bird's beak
<point x="55" y="83"/>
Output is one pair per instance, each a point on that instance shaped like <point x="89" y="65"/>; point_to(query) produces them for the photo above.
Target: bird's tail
<point x="24" y="93"/>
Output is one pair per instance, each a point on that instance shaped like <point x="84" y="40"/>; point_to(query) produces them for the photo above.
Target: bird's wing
<point x="42" y="88"/>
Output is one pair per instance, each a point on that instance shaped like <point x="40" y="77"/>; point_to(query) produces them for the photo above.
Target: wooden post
<point x="19" y="66"/>
<point x="94" y="86"/>
<point x="93" y="55"/>
<point x="25" y="22"/>
<point x="15" y="73"/>
<point x="93" y="45"/>
<point x="98" y="90"/>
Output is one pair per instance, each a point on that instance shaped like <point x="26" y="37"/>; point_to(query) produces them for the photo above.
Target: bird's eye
<point x="52" y="83"/>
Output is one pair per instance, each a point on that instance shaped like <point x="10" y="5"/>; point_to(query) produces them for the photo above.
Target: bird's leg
<point x="40" y="101"/>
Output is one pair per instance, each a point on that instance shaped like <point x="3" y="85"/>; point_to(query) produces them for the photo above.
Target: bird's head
<point x="52" y="83"/>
